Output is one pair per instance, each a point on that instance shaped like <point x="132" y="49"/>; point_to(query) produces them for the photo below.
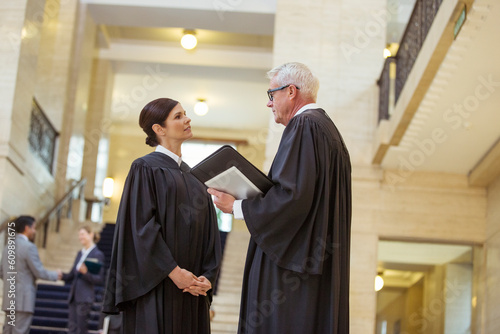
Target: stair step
<point x="226" y="303"/>
<point x="53" y="330"/>
<point x="51" y="306"/>
<point x="220" y="327"/>
<point x="48" y="303"/>
<point x="52" y="295"/>
<point x="51" y="312"/>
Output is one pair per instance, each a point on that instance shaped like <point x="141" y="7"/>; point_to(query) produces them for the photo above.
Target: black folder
<point x="227" y="170"/>
<point x="93" y="265"/>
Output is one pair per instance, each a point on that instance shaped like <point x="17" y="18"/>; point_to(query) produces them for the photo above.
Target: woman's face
<point x="178" y="125"/>
<point x="85" y="237"/>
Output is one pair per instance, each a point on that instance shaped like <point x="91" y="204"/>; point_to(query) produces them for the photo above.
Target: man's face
<point x="280" y="105"/>
<point x="31" y="232"/>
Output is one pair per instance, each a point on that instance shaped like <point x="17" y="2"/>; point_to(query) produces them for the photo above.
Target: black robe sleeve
<point x="203" y="207"/>
<point x="212" y="249"/>
<point x="141" y="259"/>
<point x="290" y="222"/>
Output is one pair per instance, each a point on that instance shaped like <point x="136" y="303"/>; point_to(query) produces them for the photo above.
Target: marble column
<point x="71" y="140"/>
<point x="20" y="30"/>
<point x="98" y="121"/>
<point x="314" y="33"/>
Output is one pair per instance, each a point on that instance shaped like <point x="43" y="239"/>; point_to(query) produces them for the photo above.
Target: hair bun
<point x="151" y="141"/>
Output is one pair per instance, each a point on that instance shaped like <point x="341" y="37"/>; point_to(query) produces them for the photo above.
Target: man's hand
<point x="222" y="201"/>
<point x="183" y="278"/>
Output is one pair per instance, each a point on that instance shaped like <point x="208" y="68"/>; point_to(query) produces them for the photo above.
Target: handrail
<point x="384" y="83"/>
<point x="44" y="221"/>
<point x="413" y="38"/>
<point x="61" y="203"/>
<point x="418" y="26"/>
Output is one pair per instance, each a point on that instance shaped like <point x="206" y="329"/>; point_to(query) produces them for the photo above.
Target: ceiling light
<point x="379" y="283"/>
<point x="189" y="41"/>
<point x="107" y="189"/>
<point x="387" y="53"/>
<point x="201" y="107"/>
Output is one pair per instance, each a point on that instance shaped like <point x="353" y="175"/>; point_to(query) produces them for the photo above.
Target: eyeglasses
<point x="270" y="91"/>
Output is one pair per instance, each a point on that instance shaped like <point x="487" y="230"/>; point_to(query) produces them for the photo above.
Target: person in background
<point x="296" y="277"/>
<point x="20" y="268"/>
<point x="83" y="281"/>
<point x="166" y="252"/>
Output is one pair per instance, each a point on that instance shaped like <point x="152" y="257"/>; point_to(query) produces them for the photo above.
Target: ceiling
<point x="227" y="68"/>
<point x="423" y="254"/>
<point x="402" y="264"/>
<point x="235" y="49"/>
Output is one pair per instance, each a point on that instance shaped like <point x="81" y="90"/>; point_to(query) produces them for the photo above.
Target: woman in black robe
<point x="166" y="250"/>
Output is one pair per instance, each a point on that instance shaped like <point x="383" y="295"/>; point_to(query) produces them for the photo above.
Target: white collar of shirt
<point x="171" y="154"/>
<point x="23" y="236"/>
<point x="306" y="107"/>
<point x="85" y="253"/>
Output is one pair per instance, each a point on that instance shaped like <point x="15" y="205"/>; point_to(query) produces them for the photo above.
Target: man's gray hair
<point x="297" y="74"/>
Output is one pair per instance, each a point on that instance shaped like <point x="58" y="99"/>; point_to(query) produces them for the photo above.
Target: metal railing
<point x="384" y="83"/>
<point x="416" y="31"/>
<point x="65" y="202"/>
<point x="414" y="36"/>
<point x="44" y="223"/>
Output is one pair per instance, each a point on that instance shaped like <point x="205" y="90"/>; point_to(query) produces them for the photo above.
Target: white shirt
<point x="237" y="210"/>
<point x="171" y="154"/>
<point x="307" y="107"/>
<point x="85" y="253"/>
<point x="23" y="236"/>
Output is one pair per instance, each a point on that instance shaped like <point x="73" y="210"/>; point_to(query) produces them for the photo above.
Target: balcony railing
<point x="414" y="36"/>
<point x="385" y="86"/>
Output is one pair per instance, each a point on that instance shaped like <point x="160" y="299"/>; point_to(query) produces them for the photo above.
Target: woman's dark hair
<point x="22" y="221"/>
<point x="155" y="112"/>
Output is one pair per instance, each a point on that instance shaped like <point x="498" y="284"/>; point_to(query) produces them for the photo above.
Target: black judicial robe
<point x="296" y="276"/>
<point x="166" y="218"/>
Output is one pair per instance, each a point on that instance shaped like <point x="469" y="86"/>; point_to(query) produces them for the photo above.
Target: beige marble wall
<point x="492" y="281"/>
<point x="432" y="316"/>
<point x="98" y="121"/>
<point x="342" y="42"/>
<point x="54" y="58"/>
<point x="458" y="298"/>
<point x="430" y="206"/>
<point x="37" y="60"/>
<point x="21" y="182"/>
<point x="71" y="148"/>
<point x="406" y="310"/>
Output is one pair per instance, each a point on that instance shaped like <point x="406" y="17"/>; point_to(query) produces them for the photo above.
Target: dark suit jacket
<point x="82" y="288"/>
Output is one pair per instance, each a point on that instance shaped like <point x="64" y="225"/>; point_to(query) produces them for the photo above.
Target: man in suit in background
<point x="20" y="268"/>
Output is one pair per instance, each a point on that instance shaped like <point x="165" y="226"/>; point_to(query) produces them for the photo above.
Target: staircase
<point x="51" y="312"/>
<point x="51" y="308"/>
<point x="226" y="302"/>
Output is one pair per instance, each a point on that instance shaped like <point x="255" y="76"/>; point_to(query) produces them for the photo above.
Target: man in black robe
<point x="166" y="220"/>
<point x="296" y="276"/>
